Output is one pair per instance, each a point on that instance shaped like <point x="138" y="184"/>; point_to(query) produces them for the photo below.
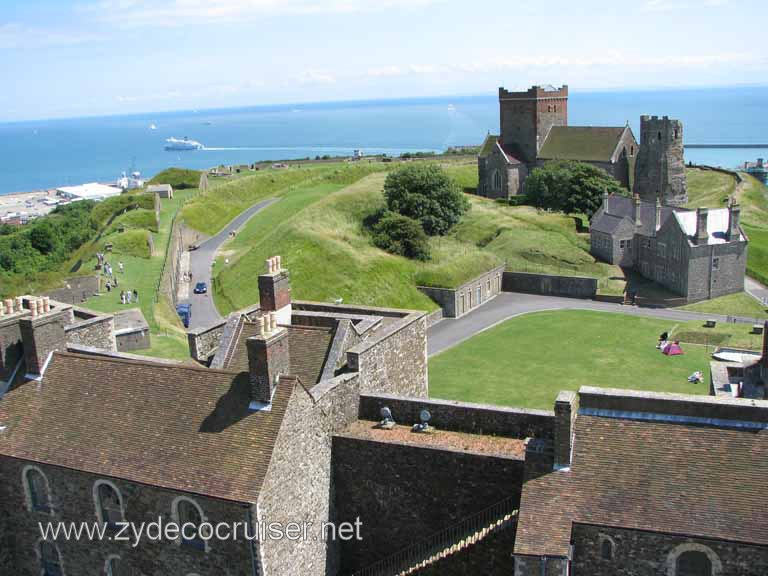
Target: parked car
<point x="185" y="313"/>
<point x="201" y="288"/>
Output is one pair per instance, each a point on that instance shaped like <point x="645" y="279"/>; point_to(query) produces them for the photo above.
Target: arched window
<point x="694" y="563"/>
<point x="675" y="134"/>
<point x="554" y="107"/>
<point x="109" y="503"/>
<point x="659" y="136"/>
<point x="496" y="180"/>
<point x="186" y="512"/>
<point x="631" y="150"/>
<point x="114" y="567"/>
<point x="606" y="549"/>
<point x="36" y="490"/>
<point x="50" y="559"/>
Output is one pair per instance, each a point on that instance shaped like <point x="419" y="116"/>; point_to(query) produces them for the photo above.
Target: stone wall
<point x="299" y="485"/>
<point x="138" y="339"/>
<point x="394" y="360"/>
<point x="462" y="416"/>
<point x="489" y="557"/>
<point x="73" y="501"/>
<point x="650" y="553"/>
<point x="704" y="282"/>
<point x="89" y="329"/>
<point x="203" y="342"/>
<point x="456" y="302"/>
<point x="542" y="566"/>
<point x="403" y="493"/>
<point x="550" y="284"/>
<point x="11" y="349"/>
<point x="75" y="290"/>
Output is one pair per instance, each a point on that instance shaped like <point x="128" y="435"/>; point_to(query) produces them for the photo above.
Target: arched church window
<point x="659" y="136"/>
<point x="109" y="503"/>
<point x="694" y="563"/>
<point x="606" y="549"/>
<point x="497" y="180"/>
<point x="50" y="559"/>
<point x="38" y="494"/>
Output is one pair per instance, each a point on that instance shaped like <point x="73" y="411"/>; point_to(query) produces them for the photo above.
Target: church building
<point x="534" y="129"/>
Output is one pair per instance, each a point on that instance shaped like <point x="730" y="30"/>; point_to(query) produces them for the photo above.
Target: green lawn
<point x="741" y="304"/>
<point x="526" y="361"/>
<point x="707" y="188"/>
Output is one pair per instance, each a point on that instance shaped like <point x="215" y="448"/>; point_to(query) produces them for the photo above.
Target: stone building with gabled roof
<point x="645" y="483"/>
<point x="534" y="130"/>
<point x="698" y="254"/>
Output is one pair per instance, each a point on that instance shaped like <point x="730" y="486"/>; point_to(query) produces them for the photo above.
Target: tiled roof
<point x="673" y="478"/>
<point x="178" y="427"/>
<point x="584" y="143"/>
<point x="308" y="347"/>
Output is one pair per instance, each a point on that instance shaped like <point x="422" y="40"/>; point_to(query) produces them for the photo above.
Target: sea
<point x="44" y="154"/>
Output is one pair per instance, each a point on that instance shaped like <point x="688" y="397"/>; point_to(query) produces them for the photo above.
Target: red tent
<point x="673" y="349"/>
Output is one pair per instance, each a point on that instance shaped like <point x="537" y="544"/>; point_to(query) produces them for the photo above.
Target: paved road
<point x="450" y="332"/>
<point x="755" y="289"/>
<point x="200" y="262"/>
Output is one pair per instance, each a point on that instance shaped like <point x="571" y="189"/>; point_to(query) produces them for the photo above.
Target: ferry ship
<point x="182" y="144"/>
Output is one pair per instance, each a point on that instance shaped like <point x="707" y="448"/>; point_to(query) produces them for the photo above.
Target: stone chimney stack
<point x="605" y="202"/>
<point x="42" y="332"/>
<point x="734" y="214"/>
<point x="637" y="206"/>
<point x="658" y="215"/>
<point x="275" y="290"/>
<point x="268" y="358"/>
<point x="702" y="235"/>
<point x="566" y="407"/>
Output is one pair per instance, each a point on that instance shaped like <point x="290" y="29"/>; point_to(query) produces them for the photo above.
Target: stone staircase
<point x="444" y="543"/>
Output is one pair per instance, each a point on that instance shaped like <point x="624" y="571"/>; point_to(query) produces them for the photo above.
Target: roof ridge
<point x="149" y="362"/>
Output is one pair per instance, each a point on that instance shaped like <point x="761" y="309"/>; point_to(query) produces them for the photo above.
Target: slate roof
<point x="179" y="427"/>
<point x="583" y="143"/>
<point x="620" y="207"/>
<point x="672" y="478"/>
<point x="489" y="145"/>
<point x="308" y="345"/>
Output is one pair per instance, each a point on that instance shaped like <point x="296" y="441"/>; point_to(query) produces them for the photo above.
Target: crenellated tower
<point x="526" y="117"/>
<point x="660" y="166"/>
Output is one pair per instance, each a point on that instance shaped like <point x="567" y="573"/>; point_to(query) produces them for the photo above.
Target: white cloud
<point x="169" y="13"/>
<point x="314" y="77"/>
<point x="659" y="5"/>
<point x="15" y="35"/>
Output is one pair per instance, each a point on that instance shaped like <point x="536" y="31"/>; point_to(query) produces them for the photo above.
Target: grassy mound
<point x="179" y="178"/>
<point x="129" y="243"/>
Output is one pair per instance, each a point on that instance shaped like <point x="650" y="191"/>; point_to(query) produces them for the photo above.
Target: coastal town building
<point x="698" y="254"/>
<point x="534" y="129"/>
<point x="92" y="191"/>
<point x="294" y="411"/>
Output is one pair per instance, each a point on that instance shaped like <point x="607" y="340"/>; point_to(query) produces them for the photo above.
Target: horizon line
<point x="393" y="99"/>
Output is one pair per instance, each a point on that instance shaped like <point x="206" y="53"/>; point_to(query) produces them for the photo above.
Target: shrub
<point x="398" y="234"/>
<point x="570" y="187"/>
<point x="426" y="193"/>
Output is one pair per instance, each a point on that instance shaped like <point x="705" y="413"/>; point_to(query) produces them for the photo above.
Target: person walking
<point x="121" y="266"/>
<point x="135" y="295"/>
<point x="122" y="296"/>
<point x="128" y="296"/>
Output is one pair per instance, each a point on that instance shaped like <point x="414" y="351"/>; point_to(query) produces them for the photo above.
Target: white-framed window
<point x="50" y="559"/>
<point x="108" y="503"/>
<point x="37" y="491"/>
<point x="186" y="511"/>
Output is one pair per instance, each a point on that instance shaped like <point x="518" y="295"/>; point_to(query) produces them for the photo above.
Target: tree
<point x="570" y="187"/>
<point x="398" y="234"/>
<point x="427" y="194"/>
<point x="44" y="237"/>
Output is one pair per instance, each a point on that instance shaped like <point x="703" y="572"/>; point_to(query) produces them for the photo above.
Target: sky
<point x="98" y="57"/>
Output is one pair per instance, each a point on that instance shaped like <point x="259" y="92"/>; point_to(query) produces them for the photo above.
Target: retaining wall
<point x="550" y="285"/>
